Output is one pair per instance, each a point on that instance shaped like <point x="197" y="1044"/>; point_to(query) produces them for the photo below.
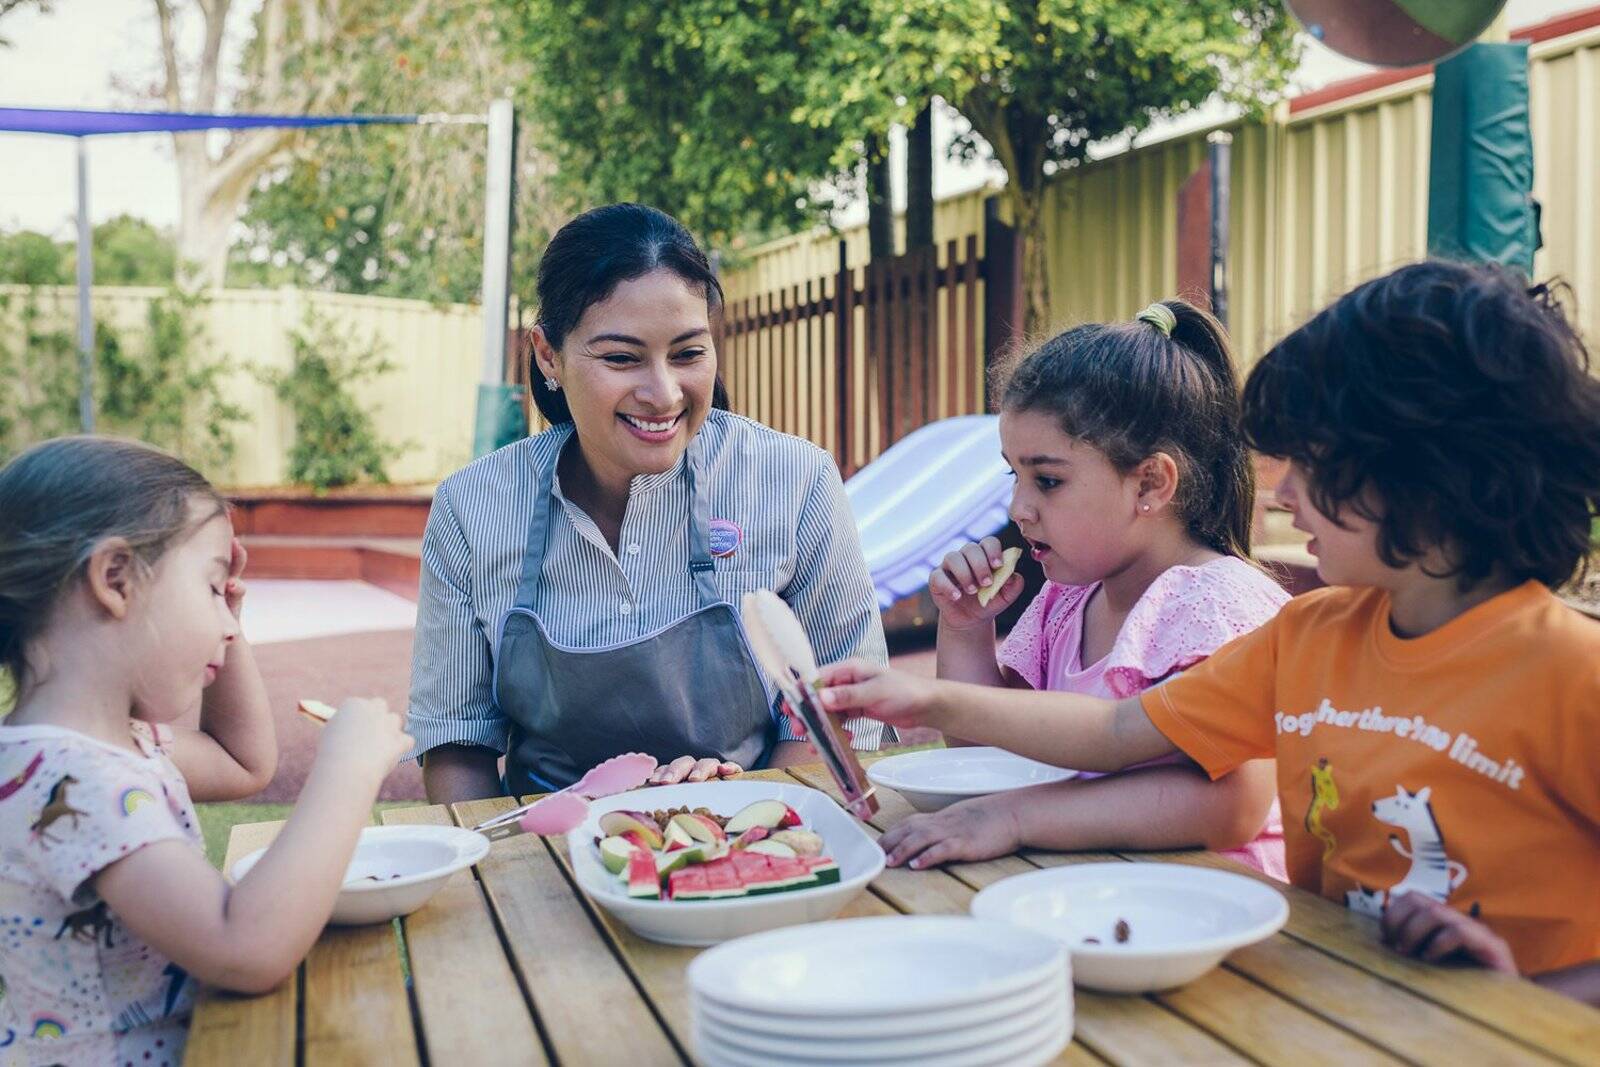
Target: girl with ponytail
<point x="1134" y="491"/>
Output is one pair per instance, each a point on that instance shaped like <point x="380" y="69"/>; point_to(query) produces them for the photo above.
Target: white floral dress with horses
<point x="75" y="985"/>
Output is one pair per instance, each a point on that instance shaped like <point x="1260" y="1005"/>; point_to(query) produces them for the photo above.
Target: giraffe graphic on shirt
<point x="1324" y="797"/>
<point x="1433" y="873"/>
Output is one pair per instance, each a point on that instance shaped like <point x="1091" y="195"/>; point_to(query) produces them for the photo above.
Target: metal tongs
<point x="559" y="812"/>
<point x="784" y="652"/>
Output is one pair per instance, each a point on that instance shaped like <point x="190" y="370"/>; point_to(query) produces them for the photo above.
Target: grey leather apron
<point x="690" y="689"/>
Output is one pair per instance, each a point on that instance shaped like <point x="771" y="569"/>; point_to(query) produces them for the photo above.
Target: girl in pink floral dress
<point x="1134" y="491"/>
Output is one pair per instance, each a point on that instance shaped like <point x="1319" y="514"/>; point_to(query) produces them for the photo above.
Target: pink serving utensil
<point x="565" y="810"/>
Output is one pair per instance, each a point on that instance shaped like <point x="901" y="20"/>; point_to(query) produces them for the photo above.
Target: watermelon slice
<point x="754" y="873"/>
<point x="643" y="881"/>
<point x="826" y="870"/>
<point x="688" y="884"/>
<point x="722" y="879"/>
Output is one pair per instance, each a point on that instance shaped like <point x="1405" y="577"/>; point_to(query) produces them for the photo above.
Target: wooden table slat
<point x="1266" y="1027"/>
<point x="356" y="1009"/>
<point x="1394" y="1017"/>
<point x="587" y="1004"/>
<point x="223" y="1023"/>
<point x="470" y="1005"/>
<point x="1519" y="1009"/>
<point x="1136" y="1030"/>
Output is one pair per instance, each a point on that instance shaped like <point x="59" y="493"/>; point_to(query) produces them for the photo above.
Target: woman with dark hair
<point x="579" y="588"/>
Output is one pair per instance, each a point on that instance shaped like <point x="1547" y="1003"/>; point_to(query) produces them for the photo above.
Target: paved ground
<point x="295" y="625"/>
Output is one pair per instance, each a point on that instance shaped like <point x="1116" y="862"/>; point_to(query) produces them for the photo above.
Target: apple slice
<point x="804" y="842"/>
<point x="678" y="835"/>
<point x="317" y="711"/>
<point x="702" y="827"/>
<point x="997" y="581"/>
<point x="615" y="852"/>
<point x="678" y="859"/>
<point x="751" y="836"/>
<point x="617" y="823"/>
<point x="769" y="814"/>
<point x="773" y="848"/>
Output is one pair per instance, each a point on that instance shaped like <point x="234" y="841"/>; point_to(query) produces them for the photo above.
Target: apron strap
<point x="700" y="562"/>
<point x="544" y="503"/>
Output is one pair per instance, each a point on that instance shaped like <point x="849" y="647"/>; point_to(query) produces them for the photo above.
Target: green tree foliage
<point x="28" y="258"/>
<point x="130" y="251"/>
<point x="697" y="106"/>
<point x="335" y="440"/>
<point x="127" y="251"/>
<point x="731" y="113"/>
<point x="1042" y="80"/>
<point x="396" y="211"/>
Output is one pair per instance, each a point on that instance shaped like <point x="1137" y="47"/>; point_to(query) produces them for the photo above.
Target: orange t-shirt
<point x="1463" y="764"/>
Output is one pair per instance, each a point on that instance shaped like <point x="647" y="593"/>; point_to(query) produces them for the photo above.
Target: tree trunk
<point x="1027" y="209"/>
<point x="880" y="203"/>
<point x="213" y="190"/>
<point x="1017" y="137"/>
<point x="919" y="181"/>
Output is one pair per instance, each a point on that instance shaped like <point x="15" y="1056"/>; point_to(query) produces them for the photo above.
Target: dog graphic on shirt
<point x="1432" y="873"/>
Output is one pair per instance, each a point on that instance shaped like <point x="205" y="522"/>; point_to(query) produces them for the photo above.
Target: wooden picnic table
<point x="511" y="964"/>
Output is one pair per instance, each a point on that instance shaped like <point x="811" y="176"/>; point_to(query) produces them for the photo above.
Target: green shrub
<point x="335" y="441"/>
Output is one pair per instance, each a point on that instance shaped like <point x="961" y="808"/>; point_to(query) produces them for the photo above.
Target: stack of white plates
<point x="930" y="991"/>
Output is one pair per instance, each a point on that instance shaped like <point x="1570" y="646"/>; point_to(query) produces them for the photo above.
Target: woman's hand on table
<point x="689" y="769"/>
<point x="977" y="829"/>
<point x="1432" y="931"/>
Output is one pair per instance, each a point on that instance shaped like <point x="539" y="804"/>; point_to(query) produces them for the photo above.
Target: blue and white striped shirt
<point x="784" y="492"/>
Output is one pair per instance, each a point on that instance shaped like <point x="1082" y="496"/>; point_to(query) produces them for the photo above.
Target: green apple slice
<point x="614" y="853"/>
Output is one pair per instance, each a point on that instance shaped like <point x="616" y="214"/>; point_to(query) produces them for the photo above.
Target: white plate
<point x="938" y="777"/>
<point x="707" y="922"/>
<point x="1035" y="1016"/>
<point x="877" y="966"/>
<point x="409" y="864"/>
<point x="1026" y="1050"/>
<point x="898" y="1025"/>
<point x="1181" y="920"/>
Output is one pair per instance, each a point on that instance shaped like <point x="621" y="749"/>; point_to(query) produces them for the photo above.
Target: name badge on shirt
<point x="726" y="536"/>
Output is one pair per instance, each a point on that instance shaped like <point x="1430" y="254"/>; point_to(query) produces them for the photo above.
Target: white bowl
<point x="395" y="870"/>
<point x="708" y="922"/>
<point x="1181" y="920"/>
<point x="937" y="1037"/>
<point x="855" y="968"/>
<point x="1032" y="1049"/>
<point x="900" y="1024"/>
<point x="938" y="777"/>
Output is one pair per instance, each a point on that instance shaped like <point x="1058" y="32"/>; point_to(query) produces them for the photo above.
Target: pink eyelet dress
<point x="1185" y="615"/>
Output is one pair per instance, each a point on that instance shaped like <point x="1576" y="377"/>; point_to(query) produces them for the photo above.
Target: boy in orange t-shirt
<point x="1435" y="714"/>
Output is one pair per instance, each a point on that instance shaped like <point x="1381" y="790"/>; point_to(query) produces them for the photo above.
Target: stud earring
<point x="550" y="384"/>
<point x="1144" y="507"/>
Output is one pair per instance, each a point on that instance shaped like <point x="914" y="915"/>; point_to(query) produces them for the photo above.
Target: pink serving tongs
<point x="559" y="812"/>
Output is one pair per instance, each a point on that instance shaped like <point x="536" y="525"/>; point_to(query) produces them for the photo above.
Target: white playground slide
<point x="940" y="487"/>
